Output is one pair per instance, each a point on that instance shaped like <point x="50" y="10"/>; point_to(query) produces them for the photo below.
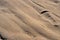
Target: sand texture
<point x="29" y="19"/>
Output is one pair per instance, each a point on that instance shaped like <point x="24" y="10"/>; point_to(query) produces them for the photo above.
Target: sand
<point x="30" y="19"/>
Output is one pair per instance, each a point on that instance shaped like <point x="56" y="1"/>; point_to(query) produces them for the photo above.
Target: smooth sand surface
<point x="29" y="19"/>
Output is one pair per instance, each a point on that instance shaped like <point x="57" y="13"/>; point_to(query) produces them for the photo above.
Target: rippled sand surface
<point x="29" y="19"/>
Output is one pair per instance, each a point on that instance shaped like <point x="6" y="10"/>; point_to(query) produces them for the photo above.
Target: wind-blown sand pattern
<point x="29" y="19"/>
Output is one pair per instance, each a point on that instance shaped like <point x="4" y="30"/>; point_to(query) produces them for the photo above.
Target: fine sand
<point x="29" y="19"/>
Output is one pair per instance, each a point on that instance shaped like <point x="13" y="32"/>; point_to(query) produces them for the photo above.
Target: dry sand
<point x="30" y="19"/>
